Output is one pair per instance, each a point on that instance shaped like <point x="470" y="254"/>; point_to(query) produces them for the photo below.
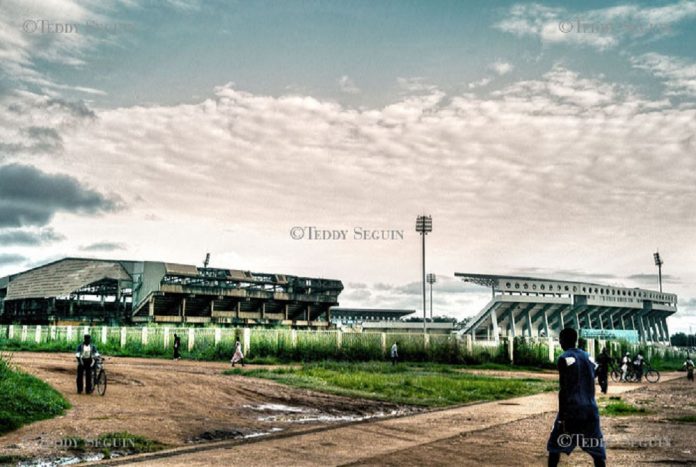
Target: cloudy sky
<point x="544" y="139"/>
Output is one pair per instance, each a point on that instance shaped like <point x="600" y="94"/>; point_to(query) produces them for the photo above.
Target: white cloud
<point x="347" y="85"/>
<point x="602" y="28"/>
<point x="501" y="68"/>
<point x="679" y="75"/>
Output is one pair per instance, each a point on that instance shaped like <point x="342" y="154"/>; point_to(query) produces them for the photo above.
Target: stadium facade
<point x="114" y="291"/>
<point x="534" y="307"/>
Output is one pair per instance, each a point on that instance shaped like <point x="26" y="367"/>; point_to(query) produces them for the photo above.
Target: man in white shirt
<point x="395" y="353"/>
<point x="86" y="354"/>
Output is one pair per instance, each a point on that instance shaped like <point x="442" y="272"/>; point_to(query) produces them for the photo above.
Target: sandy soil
<point x="176" y="403"/>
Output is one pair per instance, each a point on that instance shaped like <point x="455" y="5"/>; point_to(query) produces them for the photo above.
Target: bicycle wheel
<point x="615" y="376"/>
<point x="101" y="383"/>
<point x="653" y="376"/>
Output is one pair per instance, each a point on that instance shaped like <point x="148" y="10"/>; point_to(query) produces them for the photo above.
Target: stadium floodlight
<point x="431" y="278"/>
<point x="424" y="225"/>
<point x="658" y="263"/>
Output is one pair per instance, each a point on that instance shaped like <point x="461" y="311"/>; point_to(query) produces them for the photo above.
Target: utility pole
<point x="658" y="263"/>
<point x="431" y="278"/>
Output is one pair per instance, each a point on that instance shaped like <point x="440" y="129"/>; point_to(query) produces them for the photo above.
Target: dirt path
<point x="481" y="434"/>
<point x="176" y="403"/>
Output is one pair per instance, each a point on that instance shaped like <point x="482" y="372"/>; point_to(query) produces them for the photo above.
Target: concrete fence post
<point x="10" y="332"/>
<point x="246" y="337"/>
<point x="68" y="333"/>
<point x="166" y="338"/>
<point x="37" y="335"/>
<point x="511" y="349"/>
<point x="469" y="344"/>
<point x="191" y="339"/>
<point x="143" y="337"/>
<point x="124" y="335"/>
<point x="339" y="339"/>
<point x="293" y="338"/>
<point x="384" y="343"/>
<point x="218" y="336"/>
<point x="104" y="334"/>
<point x="85" y="331"/>
<point x="53" y="332"/>
<point x="24" y="333"/>
<point x="552" y="351"/>
<point x="426" y="341"/>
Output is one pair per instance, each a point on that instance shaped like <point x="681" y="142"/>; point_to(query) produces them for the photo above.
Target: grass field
<point x="429" y="385"/>
<point x="26" y="399"/>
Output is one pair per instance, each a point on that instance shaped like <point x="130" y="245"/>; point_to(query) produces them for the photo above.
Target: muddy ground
<point x="176" y="403"/>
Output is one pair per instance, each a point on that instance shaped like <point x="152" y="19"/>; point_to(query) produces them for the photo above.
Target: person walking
<point x="238" y="355"/>
<point x="577" y="422"/>
<point x="177" y="345"/>
<point x="603" y="361"/>
<point x="689" y="365"/>
<point x="86" y="354"/>
<point x="625" y="361"/>
<point x="395" y="353"/>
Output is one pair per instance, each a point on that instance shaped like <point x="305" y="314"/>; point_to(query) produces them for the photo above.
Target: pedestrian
<point x="603" y="361"/>
<point x="177" y="345"/>
<point x="638" y="366"/>
<point x="86" y="354"/>
<point x="577" y="422"/>
<point x="238" y="355"/>
<point x="625" y="361"/>
<point x="395" y="353"/>
<point x="689" y="365"/>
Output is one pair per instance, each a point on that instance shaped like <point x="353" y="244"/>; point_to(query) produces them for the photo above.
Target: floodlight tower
<point x="431" y="278"/>
<point x="424" y="225"/>
<point x="658" y="263"/>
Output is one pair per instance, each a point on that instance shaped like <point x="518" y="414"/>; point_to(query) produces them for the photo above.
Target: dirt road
<point x="176" y="403"/>
<point x="512" y="432"/>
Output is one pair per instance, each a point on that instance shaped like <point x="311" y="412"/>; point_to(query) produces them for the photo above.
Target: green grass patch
<point x="685" y="419"/>
<point x="432" y="385"/>
<point x="621" y="408"/>
<point x="26" y="399"/>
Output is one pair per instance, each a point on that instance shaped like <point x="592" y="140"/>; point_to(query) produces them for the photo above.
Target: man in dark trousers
<point x="577" y="422"/>
<point x="177" y="344"/>
<point x="603" y="369"/>
<point x="86" y="354"/>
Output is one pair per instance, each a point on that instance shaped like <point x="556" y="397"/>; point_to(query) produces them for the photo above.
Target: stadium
<point x="115" y="291"/>
<point x="534" y="307"/>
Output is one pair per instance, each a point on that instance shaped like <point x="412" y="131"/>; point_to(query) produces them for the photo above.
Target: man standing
<point x="177" y="344"/>
<point x="689" y="365"/>
<point x="394" y="353"/>
<point x="603" y="370"/>
<point x="85" y="354"/>
<point x="238" y="356"/>
<point x="638" y="366"/>
<point x="625" y="361"/>
<point x="577" y="422"/>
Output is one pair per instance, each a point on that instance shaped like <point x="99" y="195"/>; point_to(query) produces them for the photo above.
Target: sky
<point x="304" y="137"/>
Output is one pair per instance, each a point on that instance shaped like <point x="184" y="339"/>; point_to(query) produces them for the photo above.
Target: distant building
<point x="408" y="327"/>
<point x="116" y="291"/>
<point x="348" y="316"/>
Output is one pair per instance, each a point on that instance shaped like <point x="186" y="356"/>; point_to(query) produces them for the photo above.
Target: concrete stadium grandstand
<point x="116" y="291"/>
<point x="534" y="307"/>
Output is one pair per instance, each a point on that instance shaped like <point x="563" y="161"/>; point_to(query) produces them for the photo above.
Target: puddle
<point x="66" y="460"/>
<point x="290" y="414"/>
<point x="220" y="435"/>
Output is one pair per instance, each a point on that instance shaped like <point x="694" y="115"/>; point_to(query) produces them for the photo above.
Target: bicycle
<point x="99" y="376"/>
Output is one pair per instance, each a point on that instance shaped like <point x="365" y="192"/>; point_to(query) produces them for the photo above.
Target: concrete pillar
<point x="623" y="323"/>
<point x="577" y="322"/>
<point x="293" y="338"/>
<point x="561" y="321"/>
<point x="512" y="323"/>
<point x="10" y="332"/>
<point x="53" y="332"/>
<point x="642" y="329"/>
<point x="191" y="339"/>
<point x="37" y="334"/>
<point x="104" y="334"/>
<point x="165" y="339"/>
<point x="601" y="323"/>
<point x="218" y="336"/>
<point x="124" y="335"/>
<point x="24" y="333"/>
<point x="246" y="340"/>
<point x="666" y="329"/>
<point x="552" y="350"/>
<point x="339" y="339"/>
<point x="143" y="338"/>
<point x="151" y="307"/>
<point x="494" y="323"/>
<point x="511" y="349"/>
<point x="546" y="325"/>
<point x="384" y="343"/>
<point x="529" y="323"/>
<point x="591" y="347"/>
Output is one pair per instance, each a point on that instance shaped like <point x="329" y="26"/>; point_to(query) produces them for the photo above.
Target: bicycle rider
<point x="638" y="364"/>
